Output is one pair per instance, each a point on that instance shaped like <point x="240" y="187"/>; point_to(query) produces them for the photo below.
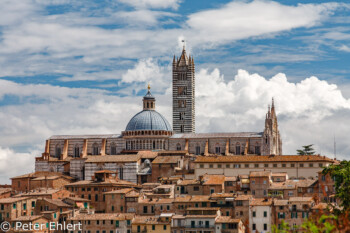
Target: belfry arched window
<point x="217" y="149"/>
<point x="238" y="149"/>
<point x="113" y="149"/>
<point x="178" y="146"/>
<point x="58" y="151"/>
<point x="76" y="151"/>
<point x="95" y="149"/>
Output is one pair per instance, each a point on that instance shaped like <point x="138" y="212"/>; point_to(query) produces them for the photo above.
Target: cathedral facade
<point x="148" y="130"/>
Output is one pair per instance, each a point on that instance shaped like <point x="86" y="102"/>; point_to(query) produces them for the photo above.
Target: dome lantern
<point x="149" y="102"/>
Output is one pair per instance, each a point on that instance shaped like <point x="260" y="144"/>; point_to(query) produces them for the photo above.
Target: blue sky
<point x="80" y="67"/>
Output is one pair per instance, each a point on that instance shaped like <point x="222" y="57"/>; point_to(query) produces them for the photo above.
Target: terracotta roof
<point x="12" y="199"/>
<point x="77" y="199"/>
<point x="99" y="136"/>
<point x="222" y="195"/>
<point x="57" y="202"/>
<point x="261" y="202"/>
<point x="204" y="208"/>
<point x="111" y="182"/>
<point x="127" y="190"/>
<point x="230" y="178"/>
<point x="278" y="202"/>
<point x="53" y="177"/>
<point x="226" y="219"/>
<point x="201" y="216"/>
<point x="213" y="179"/>
<point x="147" y="220"/>
<point x="156" y="200"/>
<point x="188" y="182"/>
<point x="28" y="218"/>
<point x="279" y="174"/>
<point x="262" y="158"/>
<point x="260" y="174"/>
<point x="218" y="135"/>
<point x="300" y="199"/>
<point x="243" y="197"/>
<point x="166" y="159"/>
<point x="113" y="158"/>
<point x="132" y="194"/>
<point x="39" y="192"/>
<point x="109" y="216"/>
<point x="148" y="154"/>
<point x="38" y="174"/>
<point x="5" y="190"/>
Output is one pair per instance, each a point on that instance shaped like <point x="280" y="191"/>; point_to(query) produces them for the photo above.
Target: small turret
<point x="149" y="102"/>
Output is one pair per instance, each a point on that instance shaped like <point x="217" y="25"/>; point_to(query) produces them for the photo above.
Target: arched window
<point x="198" y="150"/>
<point x="257" y="149"/>
<point x="113" y="149"/>
<point x="238" y="149"/>
<point x="182" y="128"/>
<point x="178" y="146"/>
<point x="58" y="151"/>
<point x="266" y="139"/>
<point x="217" y="149"/>
<point x="76" y="151"/>
<point x="95" y="149"/>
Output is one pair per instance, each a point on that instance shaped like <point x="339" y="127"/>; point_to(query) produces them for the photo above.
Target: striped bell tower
<point x="183" y="93"/>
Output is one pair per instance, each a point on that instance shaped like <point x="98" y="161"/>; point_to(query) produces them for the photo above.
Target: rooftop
<point x="99" y="136"/>
<point x="166" y="159"/>
<point x="262" y="158"/>
<point x="218" y="135"/>
<point x="113" y="158"/>
<point x="109" y="216"/>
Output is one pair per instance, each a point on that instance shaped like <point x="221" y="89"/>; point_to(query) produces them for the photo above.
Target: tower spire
<point x="149" y="102"/>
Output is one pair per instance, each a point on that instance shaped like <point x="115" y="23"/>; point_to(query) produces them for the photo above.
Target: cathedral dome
<point x="148" y="120"/>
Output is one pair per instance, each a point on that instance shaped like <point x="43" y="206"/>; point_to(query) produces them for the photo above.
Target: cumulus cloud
<point x="310" y="111"/>
<point x="241" y="19"/>
<point x="152" y="3"/>
<point x="14" y="164"/>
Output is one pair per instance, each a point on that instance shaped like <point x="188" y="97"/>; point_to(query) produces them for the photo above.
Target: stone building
<point x="81" y="155"/>
<point x="183" y="94"/>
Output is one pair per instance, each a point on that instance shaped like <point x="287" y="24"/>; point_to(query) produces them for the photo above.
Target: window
<point x="210" y="165"/>
<point x="265" y="193"/>
<point x="292" y="165"/>
<point x="95" y="150"/>
<point x="113" y="149"/>
<point x="201" y="165"/>
<point x="301" y="165"/>
<point x="238" y="150"/>
<point x="217" y="149"/>
<point x="112" y="208"/>
<point x="13" y="206"/>
<point x="153" y="227"/>
<point x="254" y="214"/>
<point x="182" y="104"/>
<point x="98" y="222"/>
<point x="323" y="177"/>
<point x="138" y="228"/>
<point x="256" y="165"/>
<point x="178" y="146"/>
<point x="24" y="206"/>
<point x="76" y="151"/>
<point x="275" y="165"/>
<point x="265" y="227"/>
<point x="290" y="193"/>
<point x="33" y="204"/>
<point x="117" y="223"/>
<point x="266" y="165"/>
<point x="196" y="188"/>
<point x="145" y="210"/>
<point x="265" y="214"/>
<point x="254" y="227"/>
<point x="311" y="164"/>
<point x="212" y="191"/>
<point x="164" y="227"/>
<point x="236" y="165"/>
<point x="182" y="90"/>
<point x="283" y="165"/>
<point x="257" y="150"/>
<point x="239" y="203"/>
<point x="320" y="164"/>
<point x="58" y="151"/>
<point x="264" y="182"/>
<point x="128" y="222"/>
<point x="182" y="116"/>
<point x="246" y="165"/>
<point x="96" y="197"/>
<point x="219" y="165"/>
<point x="227" y="165"/>
<point x="198" y="150"/>
<point x="253" y="192"/>
<point x="253" y="181"/>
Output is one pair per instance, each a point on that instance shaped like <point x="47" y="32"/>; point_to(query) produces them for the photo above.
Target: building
<point x="260" y="215"/>
<point x="260" y="183"/>
<point x="15" y="207"/>
<point x="184" y="94"/>
<point x="103" y="223"/>
<point x="295" y="166"/>
<point x="152" y="224"/>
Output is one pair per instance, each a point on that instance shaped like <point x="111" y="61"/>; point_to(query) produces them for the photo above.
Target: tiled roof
<point x="320" y="206"/>
<point x="28" y="218"/>
<point x="112" y="182"/>
<point x="261" y="202"/>
<point x="194" y="198"/>
<point x="11" y="199"/>
<point x="77" y="199"/>
<point x="5" y="190"/>
<point x="230" y="178"/>
<point x="157" y="200"/>
<point x="112" y="158"/>
<point x="132" y="194"/>
<point x="222" y="195"/>
<point x="213" y="179"/>
<point x="166" y="159"/>
<point x="260" y="173"/>
<point x="279" y="174"/>
<point x="300" y="199"/>
<point x="127" y="190"/>
<point x="98" y="216"/>
<point x="188" y="182"/>
<point x="37" y="174"/>
<point x="148" y="154"/>
<point x="243" y="197"/>
<point x="57" y="202"/>
<point x="278" y="202"/>
<point x="226" y="219"/>
<point x="39" y="192"/>
<point x="262" y="158"/>
<point x="147" y="220"/>
<point x="99" y="136"/>
<point x="218" y="135"/>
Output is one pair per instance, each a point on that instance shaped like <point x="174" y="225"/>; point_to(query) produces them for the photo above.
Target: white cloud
<point x="153" y="3"/>
<point x="240" y="19"/>
<point x="344" y="48"/>
<point x="14" y="164"/>
<point x="311" y="111"/>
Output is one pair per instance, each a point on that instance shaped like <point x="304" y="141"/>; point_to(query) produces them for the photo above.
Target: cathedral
<point x="82" y="155"/>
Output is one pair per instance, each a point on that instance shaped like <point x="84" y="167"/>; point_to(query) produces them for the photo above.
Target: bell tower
<point x="183" y="93"/>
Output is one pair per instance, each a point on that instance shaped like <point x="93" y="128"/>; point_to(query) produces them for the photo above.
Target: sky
<point x="82" y="67"/>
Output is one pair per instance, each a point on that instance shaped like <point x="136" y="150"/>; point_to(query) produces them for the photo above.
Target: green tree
<point x="341" y="175"/>
<point x="307" y="150"/>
